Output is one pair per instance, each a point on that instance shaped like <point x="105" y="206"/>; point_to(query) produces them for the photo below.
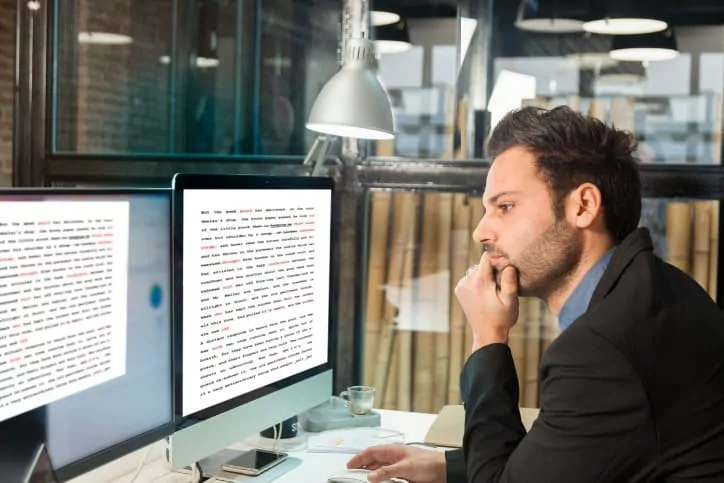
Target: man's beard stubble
<point x="546" y="264"/>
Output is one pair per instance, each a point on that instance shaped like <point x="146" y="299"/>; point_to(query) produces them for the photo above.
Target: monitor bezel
<point x="123" y="448"/>
<point x="189" y="181"/>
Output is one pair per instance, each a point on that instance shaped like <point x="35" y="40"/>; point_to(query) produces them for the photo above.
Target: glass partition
<point x="199" y="77"/>
<point x="460" y="75"/>
<point x="193" y="85"/>
<point x="111" y="85"/>
<point x="421" y="84"/>
<point x="413" y="336"/>
<point x="416" y="338"/>
<point x="672" y="102"/>
<point x="437" y="83"/>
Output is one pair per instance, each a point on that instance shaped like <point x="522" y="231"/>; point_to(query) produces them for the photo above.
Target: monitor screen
<point x="256" y="280"/>
<point x="126" y="401"/>
<point x="63" y="290"/>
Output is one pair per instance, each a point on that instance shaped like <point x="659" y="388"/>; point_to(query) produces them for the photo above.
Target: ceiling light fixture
<point x="380" y="17"/>
<point x="624" y="26"/>
<point x="543" y="16"/>
<point x="392" y="39"/>
<point x="645" y="48"/>
<point x="103" y="38"/>
<point x="201" y="62"/>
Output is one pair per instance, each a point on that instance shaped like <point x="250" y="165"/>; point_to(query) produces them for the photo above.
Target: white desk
<point x="315" y="467"/>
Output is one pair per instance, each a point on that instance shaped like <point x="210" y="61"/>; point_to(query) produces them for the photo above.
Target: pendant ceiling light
<point x="646" y="47"/>
<point x="392" y="39"/>
<point x="381" y="17"/>
<point x="623" y="17"/>
<point x="103" y="38"/>
<point x="383" y="12"/>
<point x="545" y="16"/>
<point x="95" y="28"/>
<point x="207" y="42"/>
<point x="624" y="26"/>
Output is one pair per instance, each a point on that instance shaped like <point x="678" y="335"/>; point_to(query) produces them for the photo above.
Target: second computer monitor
<point x="85" y="325"/>
<point x="253" y="308"/>
<point x="62" y="299"/>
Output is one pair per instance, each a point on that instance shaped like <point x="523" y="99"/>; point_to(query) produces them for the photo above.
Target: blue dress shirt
<point x="577" y="302"/>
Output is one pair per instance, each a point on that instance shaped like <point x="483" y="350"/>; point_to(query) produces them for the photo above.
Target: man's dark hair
<point x="572" y="149"/>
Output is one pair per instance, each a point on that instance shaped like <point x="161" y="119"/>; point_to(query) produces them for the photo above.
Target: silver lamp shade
<point x="353" y="103"/>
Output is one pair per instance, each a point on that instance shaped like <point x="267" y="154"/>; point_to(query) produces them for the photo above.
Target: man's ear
<point x="584" y="205"/>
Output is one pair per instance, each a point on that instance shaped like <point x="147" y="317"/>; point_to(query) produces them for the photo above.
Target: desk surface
<point x="315" y="467"/>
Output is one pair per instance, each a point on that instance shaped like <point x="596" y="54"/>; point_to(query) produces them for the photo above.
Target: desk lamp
<point x="353" y="104"/>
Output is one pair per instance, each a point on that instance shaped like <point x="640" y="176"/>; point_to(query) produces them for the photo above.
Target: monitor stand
<point x="285" y="441"/>
<point x="211" y="468"/>
<point x="41" y="470"/>
<point x="23" y="454"/>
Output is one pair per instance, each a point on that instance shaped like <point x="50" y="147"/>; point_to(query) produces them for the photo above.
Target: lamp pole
<point x="355" y="24"/>
<point x="356" y="19"/>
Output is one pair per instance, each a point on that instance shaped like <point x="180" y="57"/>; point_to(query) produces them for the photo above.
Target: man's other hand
<point x="416" y="465"/>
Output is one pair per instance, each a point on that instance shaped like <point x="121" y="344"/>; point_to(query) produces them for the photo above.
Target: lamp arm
<point x="317" y="155"/>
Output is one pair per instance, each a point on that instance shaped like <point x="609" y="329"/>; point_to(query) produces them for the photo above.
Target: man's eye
<point x="505" y="207"/>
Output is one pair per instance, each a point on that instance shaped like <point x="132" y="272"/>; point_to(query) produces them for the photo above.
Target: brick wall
<point x="114" y="98"/>
<point x="150" y="86"/>
<point x="7" y="54"/>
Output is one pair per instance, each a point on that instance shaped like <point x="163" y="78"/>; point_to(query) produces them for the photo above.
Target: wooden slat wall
<point x="422" y="243"/>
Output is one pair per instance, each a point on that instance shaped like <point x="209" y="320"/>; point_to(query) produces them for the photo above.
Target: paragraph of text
<point x="63" y="284"/>
<point x="259" y="279"/>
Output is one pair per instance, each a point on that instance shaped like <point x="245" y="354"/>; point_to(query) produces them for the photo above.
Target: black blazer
<point x="632" y="391"/>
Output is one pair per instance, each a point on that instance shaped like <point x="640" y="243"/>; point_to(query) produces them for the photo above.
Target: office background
<point x="129" y="92"/>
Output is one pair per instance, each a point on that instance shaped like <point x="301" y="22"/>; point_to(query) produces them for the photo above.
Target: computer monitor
<point x="253" y="283"/>
<point x="62" y="299"/>
<point x="117" y="264"/>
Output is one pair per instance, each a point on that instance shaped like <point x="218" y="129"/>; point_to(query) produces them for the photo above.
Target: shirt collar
<point x="577" y="302"/>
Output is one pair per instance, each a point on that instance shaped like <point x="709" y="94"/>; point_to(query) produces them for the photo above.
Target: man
<point x="632" y="390"/>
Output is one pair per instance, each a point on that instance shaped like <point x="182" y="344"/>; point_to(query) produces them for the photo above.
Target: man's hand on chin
<point x="416" y="465"/>
<point x="491" y="310"/>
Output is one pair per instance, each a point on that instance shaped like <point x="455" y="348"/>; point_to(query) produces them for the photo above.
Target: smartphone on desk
<point x="254" y="462"/>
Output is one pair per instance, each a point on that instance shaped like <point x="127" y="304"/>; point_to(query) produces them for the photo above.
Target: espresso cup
<point x="360" y="399"/>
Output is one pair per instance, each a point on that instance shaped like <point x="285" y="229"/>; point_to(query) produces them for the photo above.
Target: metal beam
<point x="468" y="176"/>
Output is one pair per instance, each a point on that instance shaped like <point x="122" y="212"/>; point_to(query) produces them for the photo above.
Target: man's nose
<point x="482" y="234"/>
